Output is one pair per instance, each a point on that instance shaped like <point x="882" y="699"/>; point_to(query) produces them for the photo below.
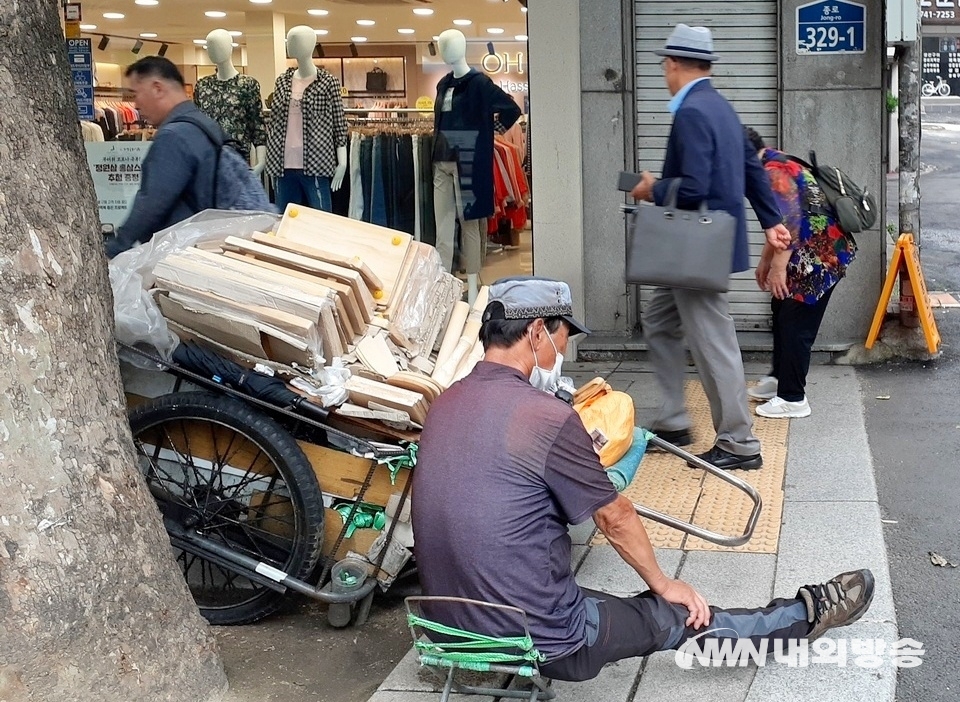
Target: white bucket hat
<point x="689" y="42"/>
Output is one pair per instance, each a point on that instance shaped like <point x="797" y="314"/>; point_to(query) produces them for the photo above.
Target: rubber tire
<point x="292" y="464"/>
<point x="928" y="90"/>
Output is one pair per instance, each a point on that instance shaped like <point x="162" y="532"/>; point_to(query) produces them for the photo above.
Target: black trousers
<point x="795" y="328"/>
<point x="641" y="625"/>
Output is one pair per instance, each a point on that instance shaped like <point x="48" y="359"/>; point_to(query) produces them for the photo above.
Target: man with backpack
<point x="189" y="167"/>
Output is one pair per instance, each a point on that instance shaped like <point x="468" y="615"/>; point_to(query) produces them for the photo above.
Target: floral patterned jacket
<point x="821" y="251"/>
<point x="236" y="106"/>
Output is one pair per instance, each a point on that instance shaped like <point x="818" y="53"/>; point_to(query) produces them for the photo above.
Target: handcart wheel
<point x="234" y="475"/>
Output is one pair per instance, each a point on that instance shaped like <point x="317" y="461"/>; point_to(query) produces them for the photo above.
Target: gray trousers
<point x="704" y="318"/>
<point x="448" y="208"/>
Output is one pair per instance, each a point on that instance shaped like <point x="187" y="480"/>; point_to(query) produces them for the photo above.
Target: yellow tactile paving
<point x="666" y="484"/>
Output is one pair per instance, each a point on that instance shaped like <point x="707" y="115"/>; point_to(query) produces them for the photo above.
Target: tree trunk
<point x="910" y="75"/>
<point x="92" y="603"/>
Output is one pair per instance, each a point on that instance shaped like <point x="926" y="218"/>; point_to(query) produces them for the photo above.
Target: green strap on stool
<point x="474" y="650"/>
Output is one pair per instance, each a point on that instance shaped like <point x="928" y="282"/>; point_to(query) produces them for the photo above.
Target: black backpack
<point x="855" y="208"/>
<point x="235" y="185"/>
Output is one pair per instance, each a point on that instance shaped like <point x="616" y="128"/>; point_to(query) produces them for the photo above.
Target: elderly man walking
<point x="708" y="152"/>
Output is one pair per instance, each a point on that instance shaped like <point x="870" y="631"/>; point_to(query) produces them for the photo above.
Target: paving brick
<point x="828" y="682"/>
<point x="731" y="579"/>
<point x="581" y="534"/>
<point x="663" y="679"/>
<point x="604" y="570"/>
<point x="829" y="454"/>
<point x="612" y="685"/>
<point x="821" y="539"/>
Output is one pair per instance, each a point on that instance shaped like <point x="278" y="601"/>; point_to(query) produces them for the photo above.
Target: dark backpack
<point x="855" y="208"/>
<point x="235" y="185"/>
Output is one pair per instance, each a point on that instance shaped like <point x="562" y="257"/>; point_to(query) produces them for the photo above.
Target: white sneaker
<point x="766" y="389"/>
<point x="778" y="408"/>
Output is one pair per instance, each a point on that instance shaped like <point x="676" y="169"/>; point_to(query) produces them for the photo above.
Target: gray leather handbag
<point x="673" y="248"/>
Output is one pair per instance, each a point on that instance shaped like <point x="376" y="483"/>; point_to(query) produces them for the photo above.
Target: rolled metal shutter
<point x="745" y="34"/>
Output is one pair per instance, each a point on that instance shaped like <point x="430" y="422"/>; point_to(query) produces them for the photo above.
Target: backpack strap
<point x="214" y="139"/>
<point x="801" y="162"/>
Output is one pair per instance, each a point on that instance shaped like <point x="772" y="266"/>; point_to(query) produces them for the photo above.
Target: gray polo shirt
<point x="503" y="469"/>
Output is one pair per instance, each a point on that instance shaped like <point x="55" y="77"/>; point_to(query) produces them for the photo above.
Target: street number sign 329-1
<point x="831" y="27"/>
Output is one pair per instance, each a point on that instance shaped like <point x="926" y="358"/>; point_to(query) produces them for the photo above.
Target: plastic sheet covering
<point x="329" y="384"/>
<point x="427" y="297"/>
<point x="138" y="319"/>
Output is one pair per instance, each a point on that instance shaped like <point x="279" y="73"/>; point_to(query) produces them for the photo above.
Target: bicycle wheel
<point x="927" y="90"/>
<point x="944" y="89"/>
<point x="237" y="477"/>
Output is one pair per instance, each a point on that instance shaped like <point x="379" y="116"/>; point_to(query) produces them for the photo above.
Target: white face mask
<point x="542" y="379"/>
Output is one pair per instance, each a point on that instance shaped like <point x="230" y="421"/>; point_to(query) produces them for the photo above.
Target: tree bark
<point x="909" y="104"/>
<point x="92" y="603"/>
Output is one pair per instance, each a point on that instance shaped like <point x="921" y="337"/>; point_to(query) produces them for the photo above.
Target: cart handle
<point x="692" y="529"/>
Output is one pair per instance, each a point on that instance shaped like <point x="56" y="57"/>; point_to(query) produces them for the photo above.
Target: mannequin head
<point x="301" y="41"/>
<point x="220" y="46"/>
<point x="453" y="47"/>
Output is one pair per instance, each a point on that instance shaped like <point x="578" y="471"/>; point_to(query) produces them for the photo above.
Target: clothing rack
<point x="405" y="110"/>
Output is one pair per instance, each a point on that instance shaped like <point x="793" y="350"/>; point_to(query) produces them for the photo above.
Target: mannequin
<point x="233" y="100"/>
<point x="307" y="139"/>
<point x="467" y="105"/>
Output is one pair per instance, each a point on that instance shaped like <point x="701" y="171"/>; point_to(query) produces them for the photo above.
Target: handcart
<point x="242" y="485"/>
<point x="237" y="480"/>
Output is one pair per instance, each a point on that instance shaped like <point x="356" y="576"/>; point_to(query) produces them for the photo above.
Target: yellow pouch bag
<point x="608" y="416"/>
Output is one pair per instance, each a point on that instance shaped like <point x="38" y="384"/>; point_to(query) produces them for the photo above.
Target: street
<point x="915" y="439"/>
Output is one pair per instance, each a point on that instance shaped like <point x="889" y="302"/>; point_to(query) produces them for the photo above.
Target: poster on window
<point x="115" y="167"/>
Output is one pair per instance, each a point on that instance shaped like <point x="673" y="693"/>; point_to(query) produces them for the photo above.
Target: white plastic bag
<point x="136" y="314"/>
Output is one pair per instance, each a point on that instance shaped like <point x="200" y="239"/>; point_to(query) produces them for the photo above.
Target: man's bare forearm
<point x="620" y="524"/>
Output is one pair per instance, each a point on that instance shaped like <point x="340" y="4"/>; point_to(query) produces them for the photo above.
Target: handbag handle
<point x="670" y="205"/>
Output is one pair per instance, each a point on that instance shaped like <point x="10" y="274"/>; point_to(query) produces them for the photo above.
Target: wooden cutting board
<point x="382" y="250"/>
<point x="329" y="271"/>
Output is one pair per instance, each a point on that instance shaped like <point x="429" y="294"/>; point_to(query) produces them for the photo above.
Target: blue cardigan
<point x="709" y="151"/>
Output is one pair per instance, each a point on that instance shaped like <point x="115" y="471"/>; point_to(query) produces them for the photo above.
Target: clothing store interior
<point x="243" y="63"/>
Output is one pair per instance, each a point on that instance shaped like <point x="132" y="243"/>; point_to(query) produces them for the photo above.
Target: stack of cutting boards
<point x="323" y="287"/>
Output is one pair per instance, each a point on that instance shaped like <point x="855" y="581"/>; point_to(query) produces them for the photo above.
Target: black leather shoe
<point x="677" y="437"/>
<point x="729" y="461"/>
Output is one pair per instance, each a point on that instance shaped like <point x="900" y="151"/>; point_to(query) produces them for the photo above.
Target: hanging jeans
<point x="448" y="208"/>
<point x="366" y="177"/>
<point x="356" y="182"/>
<point x="378" y="196"/>
<point x="295" y="188"/>
<point x="428" y="223"/>
<point x="405" y="203"/>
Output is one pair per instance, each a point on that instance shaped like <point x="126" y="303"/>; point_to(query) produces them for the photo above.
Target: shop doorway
<point x="386" y="58"/>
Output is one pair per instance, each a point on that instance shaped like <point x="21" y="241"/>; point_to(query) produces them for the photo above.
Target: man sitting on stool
<point x="504" y="468"/>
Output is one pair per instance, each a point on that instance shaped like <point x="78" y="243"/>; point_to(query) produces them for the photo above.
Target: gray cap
<point x="689" y="42"/>
<point x="531" y="297"/>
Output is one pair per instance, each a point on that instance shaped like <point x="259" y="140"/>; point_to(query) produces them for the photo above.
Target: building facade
<point x="598" y="106"/>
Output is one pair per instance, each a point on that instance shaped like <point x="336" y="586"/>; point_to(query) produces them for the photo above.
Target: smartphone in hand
<point x="628" y="181"/>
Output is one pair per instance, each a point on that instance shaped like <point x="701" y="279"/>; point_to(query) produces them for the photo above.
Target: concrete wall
<point x="835" y="103"/>
<point x="556" y="136"/>
<point x="582" y="126"/>
<point x="608" y="114"/>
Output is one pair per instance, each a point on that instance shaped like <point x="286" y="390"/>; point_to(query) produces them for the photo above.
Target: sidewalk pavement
<point x="831" y="524"/>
